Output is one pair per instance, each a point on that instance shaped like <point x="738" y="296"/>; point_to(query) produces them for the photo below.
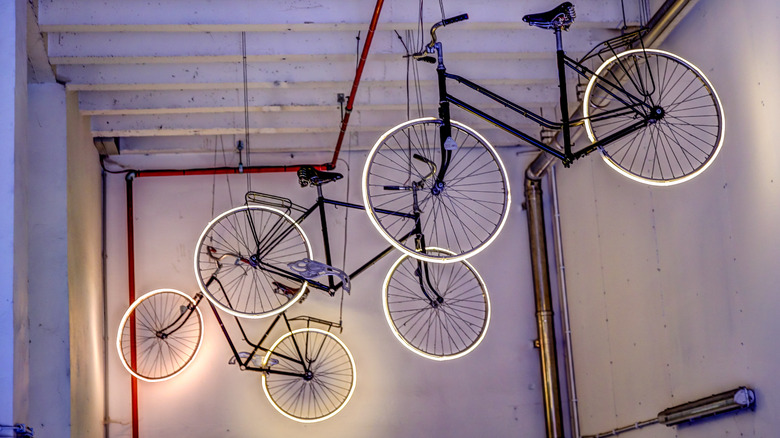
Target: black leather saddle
<point x="559" y="18"/>
<point x="309" y="175"/>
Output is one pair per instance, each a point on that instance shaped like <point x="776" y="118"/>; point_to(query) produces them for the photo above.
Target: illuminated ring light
<point x="670" y="182"/>
<point x="411" y="347"/>
<point x="130" y="310"/>
<point x="417" y="255"/>
<point x="233" y="312"/>
<point x="265" y="375"/>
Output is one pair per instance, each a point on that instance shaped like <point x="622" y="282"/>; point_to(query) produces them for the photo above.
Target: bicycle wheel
<point x="168" y="330"/>
<point x="311" y="375"/>
<point x="464" y="217"/>
<point x="241" y="261"/>
<point x="442" y="329"/>
<point x="670" y="149"/>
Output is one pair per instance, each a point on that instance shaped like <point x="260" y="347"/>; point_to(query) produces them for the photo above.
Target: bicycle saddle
<point x="309" y="175"/>
<point x="559" y="18"/>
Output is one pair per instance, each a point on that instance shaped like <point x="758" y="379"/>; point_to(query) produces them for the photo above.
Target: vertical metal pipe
<point x="104" y="286"/>
<point x="131" y="289"/>
<point x="664" y="20"/>
<point x="563" y="299"/>
<point x="544" y="313"/>
<point x="358" y="73"/>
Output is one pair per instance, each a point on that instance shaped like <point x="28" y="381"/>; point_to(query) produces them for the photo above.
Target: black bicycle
<point x="653" y="115"/>
<point x="265" y="264"/>
<point x="308" y="374"/>
<point x="255" y="261"/>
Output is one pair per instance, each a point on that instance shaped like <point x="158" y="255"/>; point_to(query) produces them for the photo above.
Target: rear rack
<point x="613" y="46"/>
<point x="607" y="49"/>
<point x="274" y="201"/>
<point x="310" y="319"/>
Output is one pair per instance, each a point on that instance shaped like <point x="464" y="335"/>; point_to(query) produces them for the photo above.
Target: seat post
<point x="558" y="39"/>
<point x="564" y="97"/>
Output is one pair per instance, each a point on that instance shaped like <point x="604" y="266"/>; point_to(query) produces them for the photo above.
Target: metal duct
<point x="544" y="313"/>
<point x="668" y="15"/>
<point x="728" y="401"/>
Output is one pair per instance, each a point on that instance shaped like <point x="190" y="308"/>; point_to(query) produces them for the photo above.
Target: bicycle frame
<point x="633" y="104"/>
<point x="246" y="362"/>
<point x="331" y="287"/>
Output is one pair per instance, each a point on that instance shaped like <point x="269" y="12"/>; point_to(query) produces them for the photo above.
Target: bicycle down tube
<point x="332" y="286"/>
<point x="567" y="155"/>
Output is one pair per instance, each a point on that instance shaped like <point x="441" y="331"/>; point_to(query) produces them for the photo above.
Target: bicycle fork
<point x="423" y="279"/>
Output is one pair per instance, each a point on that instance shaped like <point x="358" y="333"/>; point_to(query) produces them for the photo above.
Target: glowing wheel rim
<point x="341" y="405"/>
<point x="156" y="346"/>
<point x="719" y="114"/>
<point x="500" y="170"/>
<point x="409" y="345"/>
<point x="202" y="281"/>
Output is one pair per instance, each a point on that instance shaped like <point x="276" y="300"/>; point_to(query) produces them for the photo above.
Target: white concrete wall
<point x="494" y="391"/>
<point x="49" y="390"/>
<point x="85" y="277"/>
<point x="673" y="291"/>
<point x="13" y="239"/>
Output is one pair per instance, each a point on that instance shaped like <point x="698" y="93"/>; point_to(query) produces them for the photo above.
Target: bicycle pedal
<point x="256" y="361"/>
<point x="310" y="269"/>
<point x="450" y="144"/>
<point x="283" y="289"/>
<point x="242" y="355"/>
<point x="272" y="362"/>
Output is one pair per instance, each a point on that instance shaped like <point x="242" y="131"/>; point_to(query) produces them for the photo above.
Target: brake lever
<point x="421" y="56"/>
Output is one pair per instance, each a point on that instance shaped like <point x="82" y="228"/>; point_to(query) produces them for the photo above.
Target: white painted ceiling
<point x="166" y="78"/>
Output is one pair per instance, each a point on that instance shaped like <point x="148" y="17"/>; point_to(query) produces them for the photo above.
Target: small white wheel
<point x="159" y="335"/>
<point x="439" y="311"/>
<point x="311" y="375"/>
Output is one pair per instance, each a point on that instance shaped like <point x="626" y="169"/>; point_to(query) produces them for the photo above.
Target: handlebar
<point x="421" y="56"/>
<point x="454" y="19"/>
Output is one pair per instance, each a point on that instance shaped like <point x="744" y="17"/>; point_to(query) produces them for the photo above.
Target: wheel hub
<point x="656" y="113"/>
<point x="308" y="375"/>
<point x="438" y="187"/>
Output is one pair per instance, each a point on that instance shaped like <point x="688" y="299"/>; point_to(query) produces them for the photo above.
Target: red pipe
<point x="358" y="73"/>
<point x="131" y="288"/>
<point x="223" y="170"/>
<point x="131" y="250"/>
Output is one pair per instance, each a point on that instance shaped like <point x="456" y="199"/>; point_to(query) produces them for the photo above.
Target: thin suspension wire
<point x="644" y="12"/>
<point x="441" y="6"/>
<point x="246" y="108"/>
<point x="346" y="227"/>
<point x="420" y="34"/>
<point x="623" y="9"/>
<point x="214" y="177"/>
<point x="415" y="78"/>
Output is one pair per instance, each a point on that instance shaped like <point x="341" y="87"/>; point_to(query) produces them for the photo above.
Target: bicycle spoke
<point x="685" y="138"/>
<point x="475" y="181"/>
<point x="437" y="328"/>
<point x="236" y="246"/>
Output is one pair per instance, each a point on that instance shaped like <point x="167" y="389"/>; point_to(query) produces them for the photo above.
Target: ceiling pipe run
<point x="220" y="170"/>
<point x="131" y="175"/>
<point x="668" y="15"/>
<point x="358" y="74"/>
